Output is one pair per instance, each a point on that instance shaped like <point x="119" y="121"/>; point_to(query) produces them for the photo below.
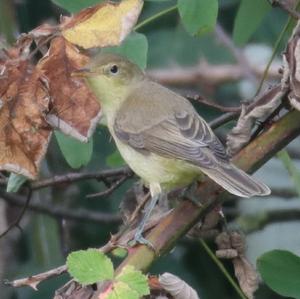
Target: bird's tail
<point x="236" y="181"/>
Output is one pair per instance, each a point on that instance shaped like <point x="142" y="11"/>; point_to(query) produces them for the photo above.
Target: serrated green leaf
<point x="135" y="279"/>
<point x="89" y="266"/>
<point x="121" y="290"/>
<point x="134" y="47"/>
<point x="76" y="153"/>
<point x="15" y="181"/>
<point x="115" y="159"/>
<point x="249" y="16"/>
<point x="280" y="270"/>
<point x="76" y="5"/>
<point x="198" y="16"/>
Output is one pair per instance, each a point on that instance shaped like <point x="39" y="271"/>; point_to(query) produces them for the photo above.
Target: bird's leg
<point x="138" y="237"/>
<point x="190" y="192"/>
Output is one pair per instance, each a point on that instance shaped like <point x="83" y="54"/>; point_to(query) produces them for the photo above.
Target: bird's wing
<point x="166" y="124"/>
<point x="172" y="131"/>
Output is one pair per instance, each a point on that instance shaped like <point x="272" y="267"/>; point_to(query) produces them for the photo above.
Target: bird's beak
<point x="83" y="72"/>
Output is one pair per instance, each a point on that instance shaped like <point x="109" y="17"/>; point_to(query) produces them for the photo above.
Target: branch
<point x="33" y="281"/>
<point x="181" y="219"/>
<point x="205" y="73"/>
<point x="112" y="188"/>
<point x="16" y="223"/>
<point x="75" y="177"/>
<point x="284" y="5"/>
<point x="61" y="212"/>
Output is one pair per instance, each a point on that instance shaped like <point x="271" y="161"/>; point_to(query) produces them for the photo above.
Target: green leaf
<point x="134" y="47"/>
<point x="76" y="5"/>
<point x="121" y="290"/>
<point x="76" y="153"/>
<point x="115" y="160"/>
<point x="119" y="252"/>
<point x="249" y="16"/>
<point x="280" y="270"/>
<point x="198" y="16"/>
<point x="135" y="279"/>
<point x="291" y="168"/>
<point x="15" y="181"/>
<point x="89" y="266"/>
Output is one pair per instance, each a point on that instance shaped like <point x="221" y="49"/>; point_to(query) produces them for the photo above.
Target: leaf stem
<point x="154" y="17"/>
<point x="223" y="269"/>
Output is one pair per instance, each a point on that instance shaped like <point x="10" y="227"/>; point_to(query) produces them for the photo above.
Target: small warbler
<point x="160" y="135"/>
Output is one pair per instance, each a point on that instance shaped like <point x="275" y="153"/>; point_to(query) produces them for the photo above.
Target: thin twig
<point x="223" y="119"/>
<point x="75" y="177"/>
<point x="111" y="189"/>
<point x="33" y="281"/>
<point x="285" y="6"/>
<point x="16" y="223"/>
<point x="200" y="99"/>
<point x="61" y="212"/>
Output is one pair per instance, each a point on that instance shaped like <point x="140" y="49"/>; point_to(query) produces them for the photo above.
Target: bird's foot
<point x="139" y="239"/>
<point x="190" y="193"/>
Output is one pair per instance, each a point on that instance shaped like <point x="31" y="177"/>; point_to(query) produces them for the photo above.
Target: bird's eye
<point x="114" y="69"/>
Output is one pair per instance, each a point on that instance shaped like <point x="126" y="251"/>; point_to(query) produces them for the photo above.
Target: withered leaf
<point x="73" y="107"/>
<point x="106" y="24"/>
<point x="232" y="246"/>
<point x="178" y="288"/>
<point x="291" y="59"/>
<point x="24" y="133"/>
<point x="240" y="135"/>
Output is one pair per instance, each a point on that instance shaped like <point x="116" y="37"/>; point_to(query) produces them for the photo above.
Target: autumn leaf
<point x="24" y="134"/>
<point x="73" y="108"/>
<point x="106" y="24"/>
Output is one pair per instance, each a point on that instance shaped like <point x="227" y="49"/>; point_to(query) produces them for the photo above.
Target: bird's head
<point x="110" y="74"/>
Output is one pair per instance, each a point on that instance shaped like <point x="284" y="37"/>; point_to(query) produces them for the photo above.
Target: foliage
<point x="280" y="270"/>
<point x="92" y="266"/>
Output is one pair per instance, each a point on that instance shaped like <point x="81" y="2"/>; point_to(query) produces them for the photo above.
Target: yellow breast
<point x="155" y="169"/>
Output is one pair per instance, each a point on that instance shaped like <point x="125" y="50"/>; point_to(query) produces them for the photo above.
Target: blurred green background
<point x="44" y="241"/>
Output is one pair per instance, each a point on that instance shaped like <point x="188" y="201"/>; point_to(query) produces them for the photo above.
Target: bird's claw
<point x="139" y="239"/>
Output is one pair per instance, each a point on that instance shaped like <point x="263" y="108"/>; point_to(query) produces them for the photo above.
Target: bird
<point x="160" y="135"/>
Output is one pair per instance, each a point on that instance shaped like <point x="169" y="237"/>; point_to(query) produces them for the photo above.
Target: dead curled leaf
<point x="73" y="107"/>
<point x="24" y="133"/>
<point x="240" y="135"/>
<point x="232" y="246"/>
<point x="106" y="24"/>
<point x="176" y="287"/>
<point x="291" y="59"/>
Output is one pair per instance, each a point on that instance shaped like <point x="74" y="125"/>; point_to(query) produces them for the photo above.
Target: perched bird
<point x="159" y="133"/>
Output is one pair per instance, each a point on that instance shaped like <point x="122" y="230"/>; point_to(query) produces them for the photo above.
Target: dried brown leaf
<point x="73" y="109"/>
<point x="24" y="133"/>
<point x="73" y="290"/>
<point x="240" y="135"/>
<point x="106" y="24"/>
<point x="291" y="59"/>
<point x="232" y="246"/>
<point x="178" y="288"/>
